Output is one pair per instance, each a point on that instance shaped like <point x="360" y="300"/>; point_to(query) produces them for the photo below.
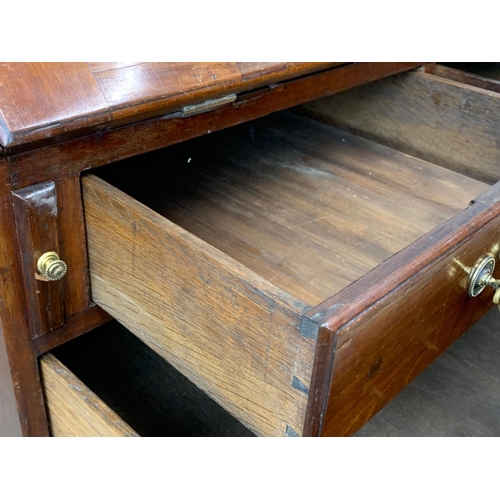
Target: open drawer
<point x="299" y="274"/>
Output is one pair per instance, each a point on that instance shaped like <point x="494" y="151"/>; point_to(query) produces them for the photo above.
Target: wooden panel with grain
<point x="43" y="100"/>
<point x="154" y="398"/>
<point x="73" y="409"/>
<point x="228" y="330"/>
<point x="371" y="354"/>
<point x="487" y="70"/>
<point x="42" y="103"/>
<point x="448" y="123"/>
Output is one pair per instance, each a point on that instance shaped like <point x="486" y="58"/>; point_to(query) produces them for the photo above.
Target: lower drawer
<point x="73" y="409"/>
<point x="109" y="383"/>
<point x="300" y="275"/>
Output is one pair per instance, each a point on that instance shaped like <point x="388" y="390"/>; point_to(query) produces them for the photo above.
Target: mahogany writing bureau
<point x="313" y="236"/>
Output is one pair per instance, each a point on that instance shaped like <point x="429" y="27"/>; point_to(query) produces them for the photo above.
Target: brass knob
<point x="51" y="267"/>
<point x="481" y="276"/>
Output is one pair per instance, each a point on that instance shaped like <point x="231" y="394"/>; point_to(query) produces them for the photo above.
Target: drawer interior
<point x="122" y="385"/>
<point x="305" y="205"/>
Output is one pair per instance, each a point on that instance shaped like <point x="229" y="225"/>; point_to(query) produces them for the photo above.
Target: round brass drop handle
<point x="51" y="267"/>
<point x="481" y="276"/>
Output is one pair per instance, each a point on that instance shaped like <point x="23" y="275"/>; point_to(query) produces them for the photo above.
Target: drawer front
<point x="73" y="409"/>
<point x="394" y="322"/>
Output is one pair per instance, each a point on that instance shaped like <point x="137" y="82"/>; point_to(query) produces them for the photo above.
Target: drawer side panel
<point x="228" y="330"/>
<point x="73" y="409"/>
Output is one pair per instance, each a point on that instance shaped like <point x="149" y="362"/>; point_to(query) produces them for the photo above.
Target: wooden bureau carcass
<point x="301" y="266"/>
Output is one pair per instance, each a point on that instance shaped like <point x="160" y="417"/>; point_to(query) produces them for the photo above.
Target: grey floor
<point x="458" y="395"/>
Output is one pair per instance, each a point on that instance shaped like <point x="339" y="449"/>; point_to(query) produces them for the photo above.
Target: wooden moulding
<point x="73" y="245"/>
<point x="383" y="330"/>
<point x="230" y="331"/>
<point x="73" y="409"/>
<point x="445" y="122"/>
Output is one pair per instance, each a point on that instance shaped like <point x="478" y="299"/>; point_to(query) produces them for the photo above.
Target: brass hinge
<point x="208" y="105"/>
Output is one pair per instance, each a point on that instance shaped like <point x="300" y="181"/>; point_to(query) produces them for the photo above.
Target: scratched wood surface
<point x="55" y="101"/>
<point x="306" y="206"/>
<point x="52" y="118"/>
<point x="73" y="409"/>
<point x="443" y="121"/>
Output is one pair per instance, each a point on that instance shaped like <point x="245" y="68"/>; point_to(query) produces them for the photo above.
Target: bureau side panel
<point x="391" y="324"/>
<point x="21" y="403"/>
<point x="230" y="331"/>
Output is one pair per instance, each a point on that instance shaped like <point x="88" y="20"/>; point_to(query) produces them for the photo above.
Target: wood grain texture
<point x="71" y="157"/>
<point x="43" y="100"/>
<point x="21" y="401"/>
<point x="304" y="205"/>
<point x="442" y="121"/>
<point x="73" y="409"/>
<point x="227" y="329"/>
<point x="37" y="232"/>
<point x="247" y="192"/>
<point x="424" y="287"/>
<point x="42" y="103"/>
